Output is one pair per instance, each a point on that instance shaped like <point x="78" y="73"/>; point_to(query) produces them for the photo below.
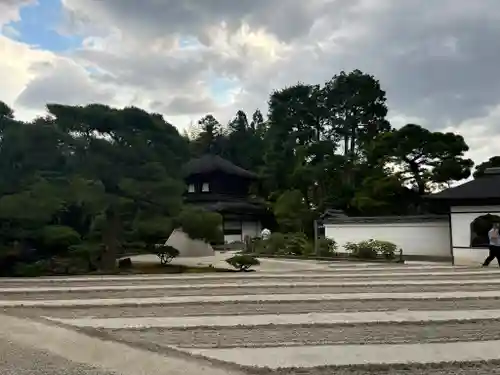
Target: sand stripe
<point x="341" y="355"/>
<point x="247" y="285"/>
<point x="246" y="298"/>
<point x="285" y="319"/>
<point x="256" y="275"/>
<point x="107" y="355"/>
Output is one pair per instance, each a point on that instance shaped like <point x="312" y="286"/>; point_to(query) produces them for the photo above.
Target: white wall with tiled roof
<point x="461" y="220"/>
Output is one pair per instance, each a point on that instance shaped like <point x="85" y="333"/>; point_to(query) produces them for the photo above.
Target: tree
<point x="424" y="158"/>
<point x="493" y="162"/>
<point x="356" y="110"/>
<point x="243" y="145"/>
<point x="210" y="139"/>
<point x="258" y="125"/>
<point x="291" y="212"/>
<point x="134" y="156"/>
<point x="293" y="127"/>
<point x="239" y="124"/>
<point x="6" y="111"/>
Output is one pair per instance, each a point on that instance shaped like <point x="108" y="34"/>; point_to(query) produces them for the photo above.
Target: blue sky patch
<point x="38" y="27"/>
<point x="221" y="89"/>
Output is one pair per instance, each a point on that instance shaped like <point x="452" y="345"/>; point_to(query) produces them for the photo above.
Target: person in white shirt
<point x="494" y="237"/>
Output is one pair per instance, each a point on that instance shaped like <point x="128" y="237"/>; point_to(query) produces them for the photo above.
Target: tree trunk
<point x="110" y="241"/>
<point x="415" y="170"/>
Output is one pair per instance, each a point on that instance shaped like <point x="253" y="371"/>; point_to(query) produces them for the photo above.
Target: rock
<point x="125" y="263"/>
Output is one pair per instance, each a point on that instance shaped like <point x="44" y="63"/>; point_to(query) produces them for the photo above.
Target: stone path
<point x="320" y="319"/>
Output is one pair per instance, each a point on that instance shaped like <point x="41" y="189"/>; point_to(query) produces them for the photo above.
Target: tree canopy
<point x="96" y="177"/>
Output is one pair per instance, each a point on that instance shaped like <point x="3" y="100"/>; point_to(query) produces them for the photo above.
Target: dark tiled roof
<point x="486" y="186"/>
<point x="235" y="206"/>
<point x="214" y="163"/>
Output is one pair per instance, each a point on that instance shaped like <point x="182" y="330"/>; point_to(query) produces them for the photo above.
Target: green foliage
<point x="59" y="237"/>
<point x="151" y="230"/>
<point x="425" y="157"/>
<point x="88" y="182"/>
<point x="87" y="254"/>
<point x="297" y="244"/>
<point x="371" y="249"/>
<point x="243" y="262"/>
<point x="39" y="268"/>
<point x="291" y="211"/>
<point x="275" y="244"/>
<point x="166" y="253"/>
<point x="493" y="162"/>
<point x="327" y="247"/>
<point x="201" y="224"/>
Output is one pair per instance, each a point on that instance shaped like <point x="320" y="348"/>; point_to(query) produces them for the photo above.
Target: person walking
<point x="494" y="237"/>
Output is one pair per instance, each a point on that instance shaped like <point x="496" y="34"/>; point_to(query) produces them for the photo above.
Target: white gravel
<point x="247" y="298"/>
<point x="16" y="359"/>
<point x="284" y="319"/>
<point x="300" y="284"/>
<point x="342" y="355"/>
<point x="274" y="336"/>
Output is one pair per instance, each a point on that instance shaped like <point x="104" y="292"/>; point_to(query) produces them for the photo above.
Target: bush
<point x="87" y="253"/>
<point x="371" y="249"/>
<point x="39" y="268"/>
<point x="327" y="247"/>
<point x="385" y="249"/>
<point x="200" y="224"/>
<point x="243" y="262"/>
<point x="297" y="244"/>
<point x="166" y="253"/>
<point x="59" y="237"/>
<point x="275" y="244"/>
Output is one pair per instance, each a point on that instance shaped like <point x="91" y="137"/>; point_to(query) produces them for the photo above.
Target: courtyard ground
<point x="290" y="317"/>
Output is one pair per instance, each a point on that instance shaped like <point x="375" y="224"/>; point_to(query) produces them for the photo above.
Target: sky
<point x="436" y="59"/>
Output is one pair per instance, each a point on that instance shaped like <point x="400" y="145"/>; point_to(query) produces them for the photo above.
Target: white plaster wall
<point x="461" y="219"/>
<point x="251" y="228"/>
<point x="248" y="228"/>
<point x="427" y="238"/>
<point x="230" y="238"/>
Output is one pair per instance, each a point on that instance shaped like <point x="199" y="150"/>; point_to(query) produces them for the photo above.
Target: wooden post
<point x="316" y="237"/>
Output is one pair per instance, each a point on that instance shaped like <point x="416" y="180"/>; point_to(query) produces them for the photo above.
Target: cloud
<point x="62" y="82"/>
<point x="9" y="10"/>
<point x="185" y="105"/>
<point x="437" y="60"/>
<point x="16" y="71"/>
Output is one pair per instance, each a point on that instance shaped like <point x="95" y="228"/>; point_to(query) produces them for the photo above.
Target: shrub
<point x="243" y="262"/>
<point x="166" y="253"/>
<point x="385" y="249"/>
<point x="59" y="237"/>
<point x="87" y="253"/>
<point x="327" y="247"/>
<point x="275" y="244"/>
<point x="297" y="244"/>
<point x="371" y="249"/>
<point x="200" y="224"/>
<point x="150" y="231"/>
<point x="39" y="268"/>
